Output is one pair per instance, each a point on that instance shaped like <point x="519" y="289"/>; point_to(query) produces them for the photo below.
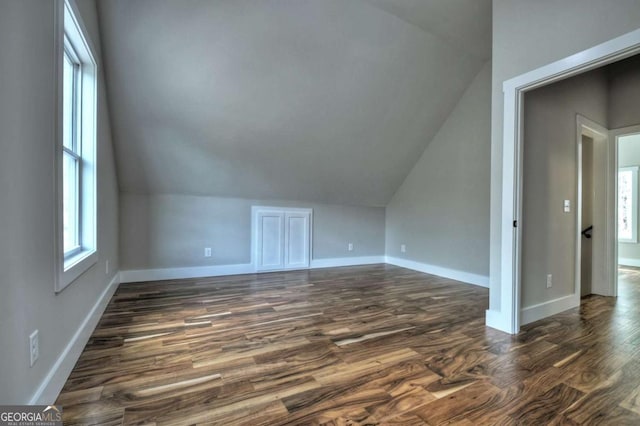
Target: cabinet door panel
<point x="296" y="240"/>
<point x="270" y="240"/>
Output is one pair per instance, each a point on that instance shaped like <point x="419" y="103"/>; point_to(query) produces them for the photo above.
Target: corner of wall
<point x="50" y="387"/>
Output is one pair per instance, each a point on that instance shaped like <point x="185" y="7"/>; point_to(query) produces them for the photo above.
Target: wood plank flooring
<point x="351" y="346"/>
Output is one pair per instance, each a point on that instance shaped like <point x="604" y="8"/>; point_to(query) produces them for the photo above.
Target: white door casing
<point x="614" y="136"/>
<point x="603" y="221"/>
<point x="508" y="317"/>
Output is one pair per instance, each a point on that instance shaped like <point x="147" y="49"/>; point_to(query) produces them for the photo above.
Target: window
<point x="76" y="149"/>
<point x="71" y="153"/>
<point x="628" y="205"/>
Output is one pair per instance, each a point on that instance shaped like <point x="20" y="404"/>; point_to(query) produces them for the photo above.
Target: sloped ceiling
<point x="318" y="100"/>
<point x="465" y="24"/>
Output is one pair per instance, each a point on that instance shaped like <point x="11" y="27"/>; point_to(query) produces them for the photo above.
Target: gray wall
<point x="166" y="231"/>
<point x="624" y="93"/>
<point x="28" y="301"/>
<point x="629" y="155"/>
<point x="529" y="34"/>
<point x="550" y="170"/>
<point x="441" y="211"/>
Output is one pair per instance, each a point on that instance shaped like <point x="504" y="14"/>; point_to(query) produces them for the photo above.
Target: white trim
<point x="552" y="307"/>
<point x="279" y="209"/>
<point x="603" y="222"/>
<point x="70" y="26"/>
<point x="77" y="266"/>
<point x="58" y="49"/>
<point x="492" y="318"/>
<point x="514" y="89"/>
<point x="628" y="261"/>
<point x="614" y="135"/>
<point x="346" y="261"/>
<point x="142" y="275"/>
<point x="52" y="384"/>
<point x="453" y="274"/>
<point x="82" y="36"/>
<point x="605" y="53"/>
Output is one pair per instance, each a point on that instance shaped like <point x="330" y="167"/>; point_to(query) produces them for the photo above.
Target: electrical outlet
<point x="403" y="248"/>
<point x="549" y="281"/>
<point x="34" y="347"/>
<point x="107" y="267"/>
<point x="350" y="246"/>
<point x="207" y="252"/>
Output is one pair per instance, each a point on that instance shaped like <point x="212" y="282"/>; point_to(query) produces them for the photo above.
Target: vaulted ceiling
<point x="319" y="100"/>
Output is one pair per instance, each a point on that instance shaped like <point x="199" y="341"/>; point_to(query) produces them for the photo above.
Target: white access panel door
<point x="282" y="238"/>
<point x="296" y="236"/>
<point x="271" y="247"/>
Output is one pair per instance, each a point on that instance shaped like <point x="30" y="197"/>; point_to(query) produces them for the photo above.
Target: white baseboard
<point x="52" y="384"/>
<point x="546" y="309"/>
<point x="465" y="277"/>
<point x="142" y="275"/>
<point x="346" y="261"/>
<point x="627" y="261"/>
<point x="495" y="319"/>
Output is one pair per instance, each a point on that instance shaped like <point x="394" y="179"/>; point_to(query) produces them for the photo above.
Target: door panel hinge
<point x="515" y="223"/>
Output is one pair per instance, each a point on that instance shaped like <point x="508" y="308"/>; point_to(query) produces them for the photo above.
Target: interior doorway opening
<point x="507" y="314"/>
<point x="586" y="235"/>
<point x="595" y="214"/>
<point x="627" y="141"/>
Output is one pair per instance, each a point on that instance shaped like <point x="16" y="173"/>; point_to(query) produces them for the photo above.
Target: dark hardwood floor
<point x="351" y="346"/>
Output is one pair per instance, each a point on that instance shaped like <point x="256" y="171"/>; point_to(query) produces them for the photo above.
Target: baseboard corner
<point x="546" y="309"/>
<point x="453" y="274"/>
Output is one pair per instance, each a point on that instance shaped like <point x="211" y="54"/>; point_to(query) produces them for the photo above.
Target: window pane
<point x="68" y="87"/>
<point x="70" y="201"/>
<point x="625" y="205"/>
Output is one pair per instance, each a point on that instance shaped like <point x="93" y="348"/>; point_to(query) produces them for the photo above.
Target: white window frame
<point x="75" y="151"/>
<point x="71" y="35"/>
<point x="634" y="204"/>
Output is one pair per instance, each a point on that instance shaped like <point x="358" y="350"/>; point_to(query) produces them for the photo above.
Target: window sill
<point x="76" y="266"/>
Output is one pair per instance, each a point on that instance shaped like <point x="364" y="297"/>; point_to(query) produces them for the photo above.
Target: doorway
<point x="586" y="235"/>
<point x="505" y="313"/>
<point x="628" y="161"/>
<point x="594" y="263"/>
